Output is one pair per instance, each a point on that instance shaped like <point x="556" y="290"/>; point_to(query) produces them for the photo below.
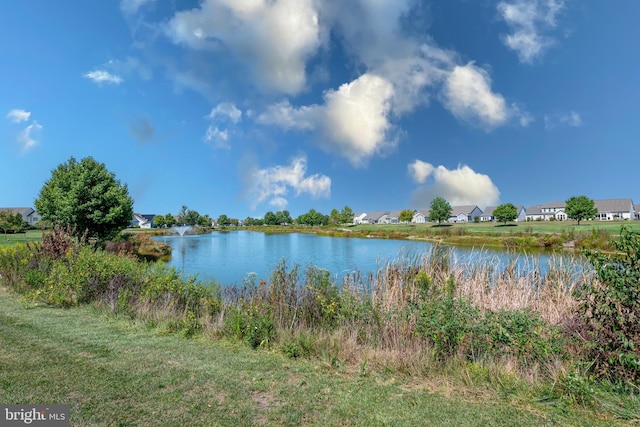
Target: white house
<point x="464" y="213"/>
<point x="547" y="211"/>
<point x="142" y="221"/>
<point x="420" y="216"/>
<point x="358" y="217"/>
<point x="379" y="217"/>
<point x="613" y="209"/>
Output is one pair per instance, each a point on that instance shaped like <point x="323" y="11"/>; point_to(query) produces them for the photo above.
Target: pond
<point x="229" y="256"/>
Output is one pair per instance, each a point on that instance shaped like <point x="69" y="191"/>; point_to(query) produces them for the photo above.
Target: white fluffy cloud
<point x="461" y="186"/>
<point x="226" y="110"/>
<point x="274" y="184"/>
<point x="276" y="37"/>
<point x="353" y="121"/>
<point x="18" y="115"/>
<point x="218" y="138"/>
<point x="467" y="94"/>
<point x="102" y="76"/>
<point x="26" y="138"/>
<point x="528" y="20"/>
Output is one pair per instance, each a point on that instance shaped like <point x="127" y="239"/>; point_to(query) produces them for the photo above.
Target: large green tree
<point x="580" y="207"/>
<point x="346" y="215"/>
<point x="440" y="210"/>
<point x="505" y="213"/>
<point x="86" y="195"/>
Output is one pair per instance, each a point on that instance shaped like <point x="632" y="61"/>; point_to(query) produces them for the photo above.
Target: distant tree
<point x="580" y="207"/>
<point x="224" y="220"/>
<point x="346" y="215"/>
<point x="505" y="213"/>
<point x="283" y="217"/>
<point x="440" y="210"/>
<point x="192" y="218"/>
<point x="270" y="218"/>
<point x="334" y="217"/>
<point x="234" y="221"/>
<point x="181" y="218"/>
<point x="406" y="215"/>
<point x="86" y="195"/>
<point x="158" y="221"/>
<point x="169" y="220"/>
<point x="11" y="222"/>
<point x="313" y="217"/>
<point x="204" y="220"/>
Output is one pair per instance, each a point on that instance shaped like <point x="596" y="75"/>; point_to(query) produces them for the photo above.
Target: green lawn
<point x="29" y="236"/>
<point x="112" y="372"/>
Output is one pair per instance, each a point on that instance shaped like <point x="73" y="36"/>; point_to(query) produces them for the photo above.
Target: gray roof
<point x="423" y="211"/>
<point x="462" y="210"/>
<point x="614" y="205"/>
<point x="534" y="210"/>
<point x="394" y="214"/>
<point x="488" y="211"/>
<point x="554" y="205"/>
<point x="375" y="216"/>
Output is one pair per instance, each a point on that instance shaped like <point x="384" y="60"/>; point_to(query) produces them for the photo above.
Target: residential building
<point x="142" y="221"/>
<point x="614" y="209"/>
<point x="420" y="216"/>
<point x="358" y="217"/>
<point x="547" y="211"/>
<point x="29" y="215"/>
<point x="464" y="213"/>
<point x="379" y="217"/>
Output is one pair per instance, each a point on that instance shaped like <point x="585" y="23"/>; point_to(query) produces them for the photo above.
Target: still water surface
<point x="228" y="256"/>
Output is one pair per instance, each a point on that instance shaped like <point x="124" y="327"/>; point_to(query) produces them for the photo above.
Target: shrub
<point x="610" y="307"/>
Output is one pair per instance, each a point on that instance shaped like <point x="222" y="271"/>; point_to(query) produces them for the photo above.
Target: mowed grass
<point x="12" y="239"/>
<point x="117" y="373"/>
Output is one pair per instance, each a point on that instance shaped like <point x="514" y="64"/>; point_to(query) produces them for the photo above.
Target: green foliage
<point x="440" y="210"/>
<point x="406" y="215"/>
<point x="11" y="222"/>
<point x="505" y="213"/>
<point x="346" y="215"/>
<point x="86" y="195"/>
<point x="580" y="207"/>
<point x="313" y="218"/>
<point x="610" y="308"/>
<point x="224" y="221"/>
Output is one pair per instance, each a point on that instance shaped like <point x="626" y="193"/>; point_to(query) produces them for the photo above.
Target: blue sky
<point x="240" y="107"/>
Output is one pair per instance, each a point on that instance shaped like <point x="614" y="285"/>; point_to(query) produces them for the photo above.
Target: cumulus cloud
<point x="226" y="110"/>
<point x="102" y="76"/>
<point x="275" y="37"/>
<point x="18" y="115"/>
<point x="528" y="21"/>
<point x="27" y="138"/>
<point x="275" y="183"/>
<point x="461" y="186"/>
<point x="142" y="130"/>
<point x="353" y="121"/>
<point x="467" y="94"/>
<point x="218" y="138"/>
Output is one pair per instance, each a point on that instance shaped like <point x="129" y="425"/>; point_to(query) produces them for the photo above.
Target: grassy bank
<point x="543" y="343"/>
<point x="113" y="371"/>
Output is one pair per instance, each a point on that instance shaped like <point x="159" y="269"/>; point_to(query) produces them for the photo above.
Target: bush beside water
<point x="415" y="315"/>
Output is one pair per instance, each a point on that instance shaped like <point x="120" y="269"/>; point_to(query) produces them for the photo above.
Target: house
<point x="142" y="221"/>
<point x="358" y="217"/>
<point x="464" y="213"/>
<point x="614" y="209"/>
<point x="546" y="212"/>
<point x="29" y="215"/>
<point x="637" y="210"/>
<point x="487" y="214"/>
<point x="393" y="217"/>
<point x="420" y="216"/>
<point x="379" y="217"/>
